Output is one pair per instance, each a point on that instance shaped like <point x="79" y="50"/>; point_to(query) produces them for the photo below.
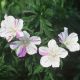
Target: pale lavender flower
<point x="26" y="44"/>
<point x="70" y="41"/>
<point x="11" y="27"/>
<point x="51" y="55"/>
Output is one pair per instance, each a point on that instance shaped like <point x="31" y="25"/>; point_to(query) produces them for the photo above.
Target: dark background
<point x="45" y="18"/>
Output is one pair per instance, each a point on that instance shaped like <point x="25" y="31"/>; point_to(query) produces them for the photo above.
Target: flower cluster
<point x="25" y="44"/>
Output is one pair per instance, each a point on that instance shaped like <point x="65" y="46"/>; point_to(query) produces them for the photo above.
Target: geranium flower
<point x="11" y="27"/>
<point x="70" y="41"/>
<point x="51" y="55"/>
<point x="26" y="44"/>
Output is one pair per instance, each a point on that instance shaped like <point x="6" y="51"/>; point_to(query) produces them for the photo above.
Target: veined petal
<point x="21" y="51"/>
<point x="62" y="53"/>
<point x="9" y="21"/>
<point x="56" y="62"/>
<point x="31" y="49"/>
<point x="52" y="44"/>
<point x="15" y="45"/>
<point x="45" y="62"/>
<point x="43" y="51"/>
<point x="63" y="35"/>
<point x="20" y="24"/>
<point x="72" y="38"/>
<point x="35" y="40"/>
<point x="73" y="47"/>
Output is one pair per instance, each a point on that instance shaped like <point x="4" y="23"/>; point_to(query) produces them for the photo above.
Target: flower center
<point x="12" y="30"/>
<point x="26" y="42"/>
<point x="66" y="43"/>
<point x="53" y="53"/>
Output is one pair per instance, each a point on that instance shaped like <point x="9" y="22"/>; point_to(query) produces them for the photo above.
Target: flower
<point x="70" y="41"/>
<point x="26" y="44"/>
<point x="51" y="55"/>
<point x="11" y="27"/>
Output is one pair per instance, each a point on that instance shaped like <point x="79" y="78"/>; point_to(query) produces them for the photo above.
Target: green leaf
<point x="37" y="69"/>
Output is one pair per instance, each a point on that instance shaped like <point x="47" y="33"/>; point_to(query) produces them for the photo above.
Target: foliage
<point x="45" y="18"/>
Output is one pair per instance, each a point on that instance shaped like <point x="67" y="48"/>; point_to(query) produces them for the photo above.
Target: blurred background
<point x="44" y="18"/>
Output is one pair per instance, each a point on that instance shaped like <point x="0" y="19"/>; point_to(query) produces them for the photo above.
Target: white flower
<point x="51" y="55"/>
<point x="70" y="41"/>
<point x="11" y="27"/>
<point x="26" y="44"/>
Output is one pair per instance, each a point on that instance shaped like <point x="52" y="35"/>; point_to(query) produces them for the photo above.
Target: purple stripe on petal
<point x="35" y="40"/>
<point x="19" y="34"/>
<point x="21" y="52"/>
<point x="43" y="51"/>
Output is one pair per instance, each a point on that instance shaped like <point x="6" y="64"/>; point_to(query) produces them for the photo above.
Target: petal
<point x="9" y="21"/>
<point x="71" y="42"/>
<point x="62" y="53"/>
<point x="52" y="44"/>
<point x="56" y="62"/>
<point x="15" y="45"/>
<point x="21" y="51"/>
<point x="72" y="38"/>
<point x="20" y="24"/>
<point x="2" y="32"/>
<point x="31" y="49"/>
<point x="45" y="62"/>
<point x="5" y="16"/>
<point x="11" y="18"/>
<point x="73" y="47"/>
<point x="35" y="40"/>
<point x="19" y="34"/>
<point x="9" y="38"/>
<point x="43" y="51"/>
<point x="66" y="31"/>
<point x="3" y="24"/>
<point x="25" y="37"/>
<point x="26" y="34"/>
<point x="8" y="35"/>
<point x="63" y="35"/>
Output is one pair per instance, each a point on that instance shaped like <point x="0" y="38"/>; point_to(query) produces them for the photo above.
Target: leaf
<point x="37" y="69"/>
<point x="45" y="27"/>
